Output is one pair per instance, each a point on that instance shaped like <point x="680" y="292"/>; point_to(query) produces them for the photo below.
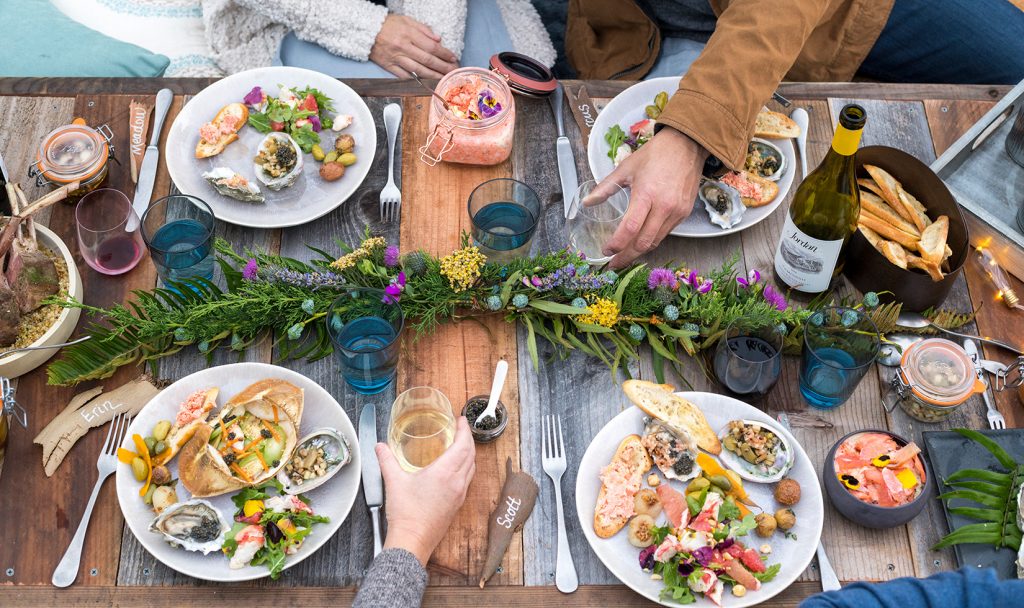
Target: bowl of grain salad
<point x="49" y="324"/>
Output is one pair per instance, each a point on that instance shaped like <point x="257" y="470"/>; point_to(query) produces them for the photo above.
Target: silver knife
<point x="147" y="173"/>
<point x="373" y="485"/>
<point x="566" y="161"/>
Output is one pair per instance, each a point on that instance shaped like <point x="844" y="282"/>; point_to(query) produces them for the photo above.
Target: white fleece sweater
<point x="246" y="34"/>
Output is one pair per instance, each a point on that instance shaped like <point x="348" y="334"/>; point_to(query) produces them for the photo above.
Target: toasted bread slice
<point x="879" y="208"/>
<point x="234" y="113"/>
<point x="674" y="410"/>
<point x="775" y="125"/>
<point x="890" y="232"/>
<point x="633" y="457"/>
<point x="755" y="191"/>
<point x="933" y="241"/>
<point x="890" y="188"/>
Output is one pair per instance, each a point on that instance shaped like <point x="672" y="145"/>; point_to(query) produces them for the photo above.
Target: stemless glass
<point x="588" y="228"/>
<point x="840" y="345"/>
<point x="365" y="331"/>
<point x="748" y="359"/>
<point x="504" y="214"/>
<point x="422" y="427"/>
<point x="106" y="246"/>
<point x="178" y="230"/>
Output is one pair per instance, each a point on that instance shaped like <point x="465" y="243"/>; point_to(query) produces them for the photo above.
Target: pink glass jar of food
<point x="477" y="126"/>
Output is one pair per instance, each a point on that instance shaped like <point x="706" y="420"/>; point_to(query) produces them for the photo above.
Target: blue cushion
<point x="42" y="41"/>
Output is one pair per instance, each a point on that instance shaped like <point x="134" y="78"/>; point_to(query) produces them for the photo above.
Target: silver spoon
<point x="23" y="349"/>
<point x="432" y="92"/>
<point x="891" y="356"/>
<point x="913" y="320"/>
<point x="801" y="118"/>
<point x="492" y="402"/>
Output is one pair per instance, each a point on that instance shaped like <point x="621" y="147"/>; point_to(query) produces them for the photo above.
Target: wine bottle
<point x="823" y="215"/>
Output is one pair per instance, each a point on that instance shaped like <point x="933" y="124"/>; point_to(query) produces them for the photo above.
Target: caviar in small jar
<point x="477" y="126"/>
<point x="935" y="377"/>
<point x="74" y="152"/>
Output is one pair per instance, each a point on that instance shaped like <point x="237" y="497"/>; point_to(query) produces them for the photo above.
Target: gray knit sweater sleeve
<point x="396" y="579"/>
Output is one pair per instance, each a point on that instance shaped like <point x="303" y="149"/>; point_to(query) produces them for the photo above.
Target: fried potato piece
<point x="888" y="231"/>
<point x="890" y="191"/>
<point x="878" y="207"/>
<point x="933" y="241"/>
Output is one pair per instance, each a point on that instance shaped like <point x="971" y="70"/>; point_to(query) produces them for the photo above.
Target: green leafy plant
<point x="995" y="491"/>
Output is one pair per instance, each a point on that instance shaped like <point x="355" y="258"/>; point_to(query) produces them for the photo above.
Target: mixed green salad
<point x="301" y="113"/>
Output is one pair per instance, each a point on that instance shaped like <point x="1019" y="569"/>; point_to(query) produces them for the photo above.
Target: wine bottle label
<point x="804" y="262"/>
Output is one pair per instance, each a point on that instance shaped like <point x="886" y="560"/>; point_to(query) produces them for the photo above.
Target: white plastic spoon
<point x="801" y="118"/>
<point x="492" y="402"/>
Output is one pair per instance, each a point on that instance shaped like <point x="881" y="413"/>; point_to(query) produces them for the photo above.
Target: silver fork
<point x="995" y="419"/>
<point x="67" y="569"/>
<point x="553" y="462"/>
<point x="391" y="196"/>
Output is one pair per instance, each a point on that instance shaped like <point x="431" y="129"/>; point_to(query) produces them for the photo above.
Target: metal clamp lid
<point x="34" y="170"/>
<point x="448" y="144"/>
<point x="10" y="406"/>
<point x="1011" y="376"/>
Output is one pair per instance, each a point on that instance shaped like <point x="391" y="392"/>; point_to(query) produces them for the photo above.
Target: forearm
<point x="751" y="50"/>
<point x="396" y="579"/>
<point x="346" y="28"/>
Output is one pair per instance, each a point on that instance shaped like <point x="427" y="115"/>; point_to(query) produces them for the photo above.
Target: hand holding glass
<point x="588" y="228"/>
<point x="422" y="427"/>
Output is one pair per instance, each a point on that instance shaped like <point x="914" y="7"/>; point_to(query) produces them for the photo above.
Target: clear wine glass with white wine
<point x="422" y="427"/>
<point x="588" y="228"/>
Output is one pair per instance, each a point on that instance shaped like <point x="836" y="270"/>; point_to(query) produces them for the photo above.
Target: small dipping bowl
<point x="867" y="514"/>
<point x="476" y="406"/>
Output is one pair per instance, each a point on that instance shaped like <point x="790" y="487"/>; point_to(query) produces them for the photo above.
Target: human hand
<point x="405" y="45"/>
<point x="663" y="177"/>
<point x="421" y="505"/>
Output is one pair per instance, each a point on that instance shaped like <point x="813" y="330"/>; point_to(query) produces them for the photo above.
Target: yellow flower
<point x="601" y="311"/>
<point x="462" y="267"/>
<point x="367" y="248"/>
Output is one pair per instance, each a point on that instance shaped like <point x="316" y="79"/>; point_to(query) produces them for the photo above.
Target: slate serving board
<point x="949" y="452"/>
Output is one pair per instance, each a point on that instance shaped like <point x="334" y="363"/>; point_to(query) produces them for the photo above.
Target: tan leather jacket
<point x="755" y="45"/>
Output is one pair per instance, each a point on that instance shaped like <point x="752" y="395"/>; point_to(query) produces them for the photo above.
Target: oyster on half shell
<point x="723" y="203"/>
<point x="278" y="162"/>
<point x="233" y="185"/>
<point x="765" y="159"/>
<point x="673" y="451"/>
<point x="337" y="454"/>
<point x="193" y="525"/>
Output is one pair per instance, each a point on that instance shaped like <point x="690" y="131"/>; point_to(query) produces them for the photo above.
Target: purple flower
<point x="704" y="286"/>
<point x="752" y="278"/>
<point x="775" y="298"/>
<point x="391" y="256"/>
<point x="393" y="292"/>
<point x="685" y="569"/>
<point x="703" y="555"/>
<point x="536" y="281"/>
<point x="725" y="544"/>
<point x="315" y="121"/>
<point x="647" y="557"/>
<point x="688" y="279"/>
<point x="255" y="97"/>
<point x="487" y="104"/>
<point x="250" y="270"/>
<point x="662" y="277"/>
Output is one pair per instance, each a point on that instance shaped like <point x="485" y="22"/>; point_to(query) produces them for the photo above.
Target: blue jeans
<point x="937" y="41"/>
<point x="950" y="41"/>
<point x="485" y="36"/>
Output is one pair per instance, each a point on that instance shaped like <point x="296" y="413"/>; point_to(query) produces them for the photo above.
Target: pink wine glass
<point x="102" y="216"/>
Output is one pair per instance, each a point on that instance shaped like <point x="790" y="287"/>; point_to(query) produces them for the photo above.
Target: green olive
<point x="694" y="496"/>
<point x="697" y="485"/>
<point x="150" y="443"/>
<point x="161" y="430"/>
<point x="148" y="498"/>
<point x="661" y="100"/>
<point x="331" y="157"/>
<point x="159" y="447"/>
<point x="318" y="152"/>
<point x="348" y="159"/>
<point x="139" y="469"/>
<point x="721" y="481"/>
<point x="717" y="490"/>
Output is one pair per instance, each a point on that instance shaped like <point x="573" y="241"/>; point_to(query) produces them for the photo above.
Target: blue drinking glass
<point x="178" y="230"/>
<point x="840" y="346"/>
<point x="504" y="214"/>
<point x="365" y="330"/>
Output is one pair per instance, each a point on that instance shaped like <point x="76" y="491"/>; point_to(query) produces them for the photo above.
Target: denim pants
<point x="485" y="36"/>
<point x="934" y="41"/>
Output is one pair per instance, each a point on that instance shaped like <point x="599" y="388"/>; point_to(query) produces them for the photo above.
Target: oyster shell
<point x="337" y="454"/>
<point x="761" y="473"/>
<point x="765" y="159"/>
<point x="722" y="202"/>
<point x="232" y="184"/>
<point x="194" y="525"/>
<point x="278" y="162"/>
<point x="673" y="450"/>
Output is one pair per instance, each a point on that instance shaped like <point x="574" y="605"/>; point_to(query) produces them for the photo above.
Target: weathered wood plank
<point x="458" y="359"/>
<point x="20" y="138"/>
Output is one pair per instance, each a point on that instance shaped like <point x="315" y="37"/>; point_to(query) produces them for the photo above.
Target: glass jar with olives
<point x="935" y="377"/>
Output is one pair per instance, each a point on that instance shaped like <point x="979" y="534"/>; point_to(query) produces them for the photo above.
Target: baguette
<point x="659" y="403"/>
<point x="614" y="505"/>
<point x="877" y="207"/>
<point x="890" y="192"/>
<point x="228" y="122"/>
<point x="774" y="125"/>
<point x="890" y="232"/>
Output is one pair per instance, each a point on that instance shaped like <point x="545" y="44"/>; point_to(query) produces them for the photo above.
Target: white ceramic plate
<point x="333" y="499"/>
<point x="310" y="197"/>
<point x="627" y="108"/>
<point x="621" y="558"/>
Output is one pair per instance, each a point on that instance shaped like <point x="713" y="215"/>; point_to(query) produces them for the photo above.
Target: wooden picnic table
<point x="40" y="514"/>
